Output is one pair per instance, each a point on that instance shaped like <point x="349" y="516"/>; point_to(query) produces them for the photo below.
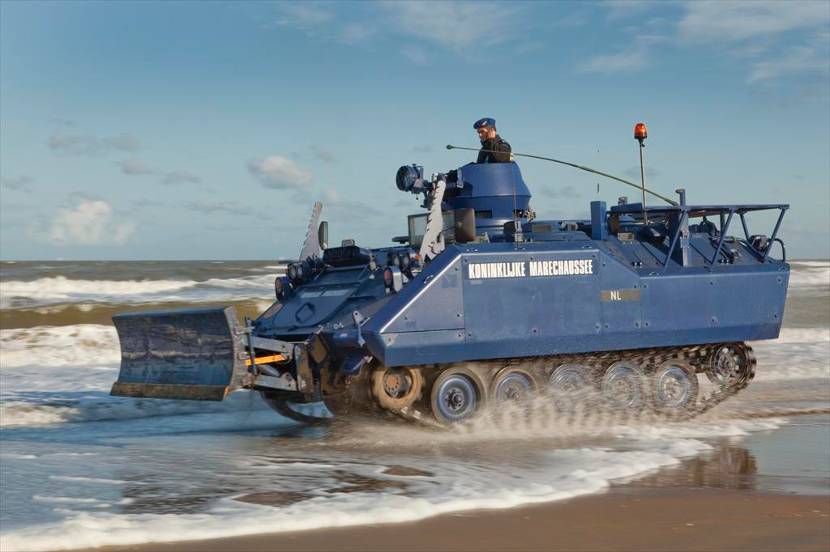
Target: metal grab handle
<point x="774" y="236"/>
<point x="783" y="249"/>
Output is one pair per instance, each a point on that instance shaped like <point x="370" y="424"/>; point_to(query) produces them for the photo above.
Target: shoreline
<point x="758" y="492"/>
<point x="628" y="517"/>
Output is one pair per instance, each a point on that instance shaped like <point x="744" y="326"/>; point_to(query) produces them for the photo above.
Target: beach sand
<point x="767" y="492"/>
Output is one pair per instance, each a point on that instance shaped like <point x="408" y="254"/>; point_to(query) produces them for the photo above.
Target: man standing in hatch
<point x="494" y="149"/>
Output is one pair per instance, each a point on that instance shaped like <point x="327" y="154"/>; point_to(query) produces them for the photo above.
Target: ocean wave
<point x="802" y="335"/>
<point x="65" y="499"/>
<point x="55" y="346"/>
<point x="798" y="353"/>
<point x="809" y="274"/>
<point x="61" y="290"/>
<point x="100" y="480"/>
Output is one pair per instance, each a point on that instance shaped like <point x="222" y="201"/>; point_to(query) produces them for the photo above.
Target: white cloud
<point x="460" y="26"/>
<point x="137" y="167"/>
<point x="630" y="59"/>
<point x="321" y="153"/>
<point x="279" y="173"/>
<point x="621" y="9"/>
<point x="90" y="223"/>
<point x="88" y="144"/>
<point x="805" y="59"/>
<point x="303" y="15"/>
<point x="415" y="54"/>
<point x="455" y="25"/>
<point x="18" y="183"/>
<point x="774" y="39"/>
<point x="318" y="19"/>
<point x="178" y="177"/>
<point x="227" y="207"/>
<point x="352" y="33"/>
<point x="729" y="21"/>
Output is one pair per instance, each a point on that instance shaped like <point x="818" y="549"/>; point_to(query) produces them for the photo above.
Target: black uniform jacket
<point x="498" y="145"/>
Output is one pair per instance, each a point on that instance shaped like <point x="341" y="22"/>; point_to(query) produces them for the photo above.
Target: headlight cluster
<point x="399" y="269"/>
<point x="402" y="261"/>
<point x="304" y="271"/>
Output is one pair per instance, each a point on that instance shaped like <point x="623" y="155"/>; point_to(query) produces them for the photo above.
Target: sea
<point x="79" y="468"/>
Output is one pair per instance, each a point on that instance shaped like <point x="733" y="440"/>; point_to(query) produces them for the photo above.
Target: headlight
<point x="280" y="287"/>
<point x="393" y="279"/>
<point x="410" y="178"/>
<point x="404" y="262"/>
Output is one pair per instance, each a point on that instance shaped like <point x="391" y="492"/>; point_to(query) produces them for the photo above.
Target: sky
<point x="206" y="130"/>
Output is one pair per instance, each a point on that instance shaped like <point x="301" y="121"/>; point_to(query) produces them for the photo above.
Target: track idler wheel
<point x="731" y="365"/>
<point x="282" y="405"/>
<point x="397" y="389"/>
<point x="457" y="395"/>
<point x="623" y="386"/>
<point x="674" y="388"/>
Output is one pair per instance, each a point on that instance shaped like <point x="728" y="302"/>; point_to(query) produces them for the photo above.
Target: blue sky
<point x="206" y="130"/>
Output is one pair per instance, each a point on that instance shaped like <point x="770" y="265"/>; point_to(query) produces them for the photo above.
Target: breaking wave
<point x="56" y="346"/>
<point x="62" y="290"/>
<point x="810" y="274"/>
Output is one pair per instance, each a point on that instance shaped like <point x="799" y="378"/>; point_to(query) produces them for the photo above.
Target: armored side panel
<point x="506" y="300"/>
<point x="423" y="323"/>
<point x="730" y="304"/>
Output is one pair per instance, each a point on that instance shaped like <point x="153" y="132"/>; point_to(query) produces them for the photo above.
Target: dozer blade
<point x="193" y="354"/>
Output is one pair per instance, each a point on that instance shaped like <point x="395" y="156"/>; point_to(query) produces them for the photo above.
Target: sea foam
<point x="452" y="485"/>
<point x="810" y="274"/>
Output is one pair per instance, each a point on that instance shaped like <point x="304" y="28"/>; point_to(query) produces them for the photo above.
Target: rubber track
<point x="357" y="397"/>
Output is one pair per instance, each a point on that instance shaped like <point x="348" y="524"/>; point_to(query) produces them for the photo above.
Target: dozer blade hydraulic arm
<point x="196" y="354"/>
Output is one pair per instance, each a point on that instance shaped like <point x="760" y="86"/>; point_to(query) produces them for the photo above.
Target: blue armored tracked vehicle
<point x="483" y="303"/>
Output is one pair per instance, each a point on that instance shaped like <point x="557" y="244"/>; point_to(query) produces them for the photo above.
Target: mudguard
<point x="194" y="354"/>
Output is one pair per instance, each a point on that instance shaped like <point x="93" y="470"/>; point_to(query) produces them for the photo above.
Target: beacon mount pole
<point x="640" y="134"/>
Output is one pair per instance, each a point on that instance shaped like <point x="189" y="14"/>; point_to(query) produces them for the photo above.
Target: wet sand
<point x="767" y="492"/>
